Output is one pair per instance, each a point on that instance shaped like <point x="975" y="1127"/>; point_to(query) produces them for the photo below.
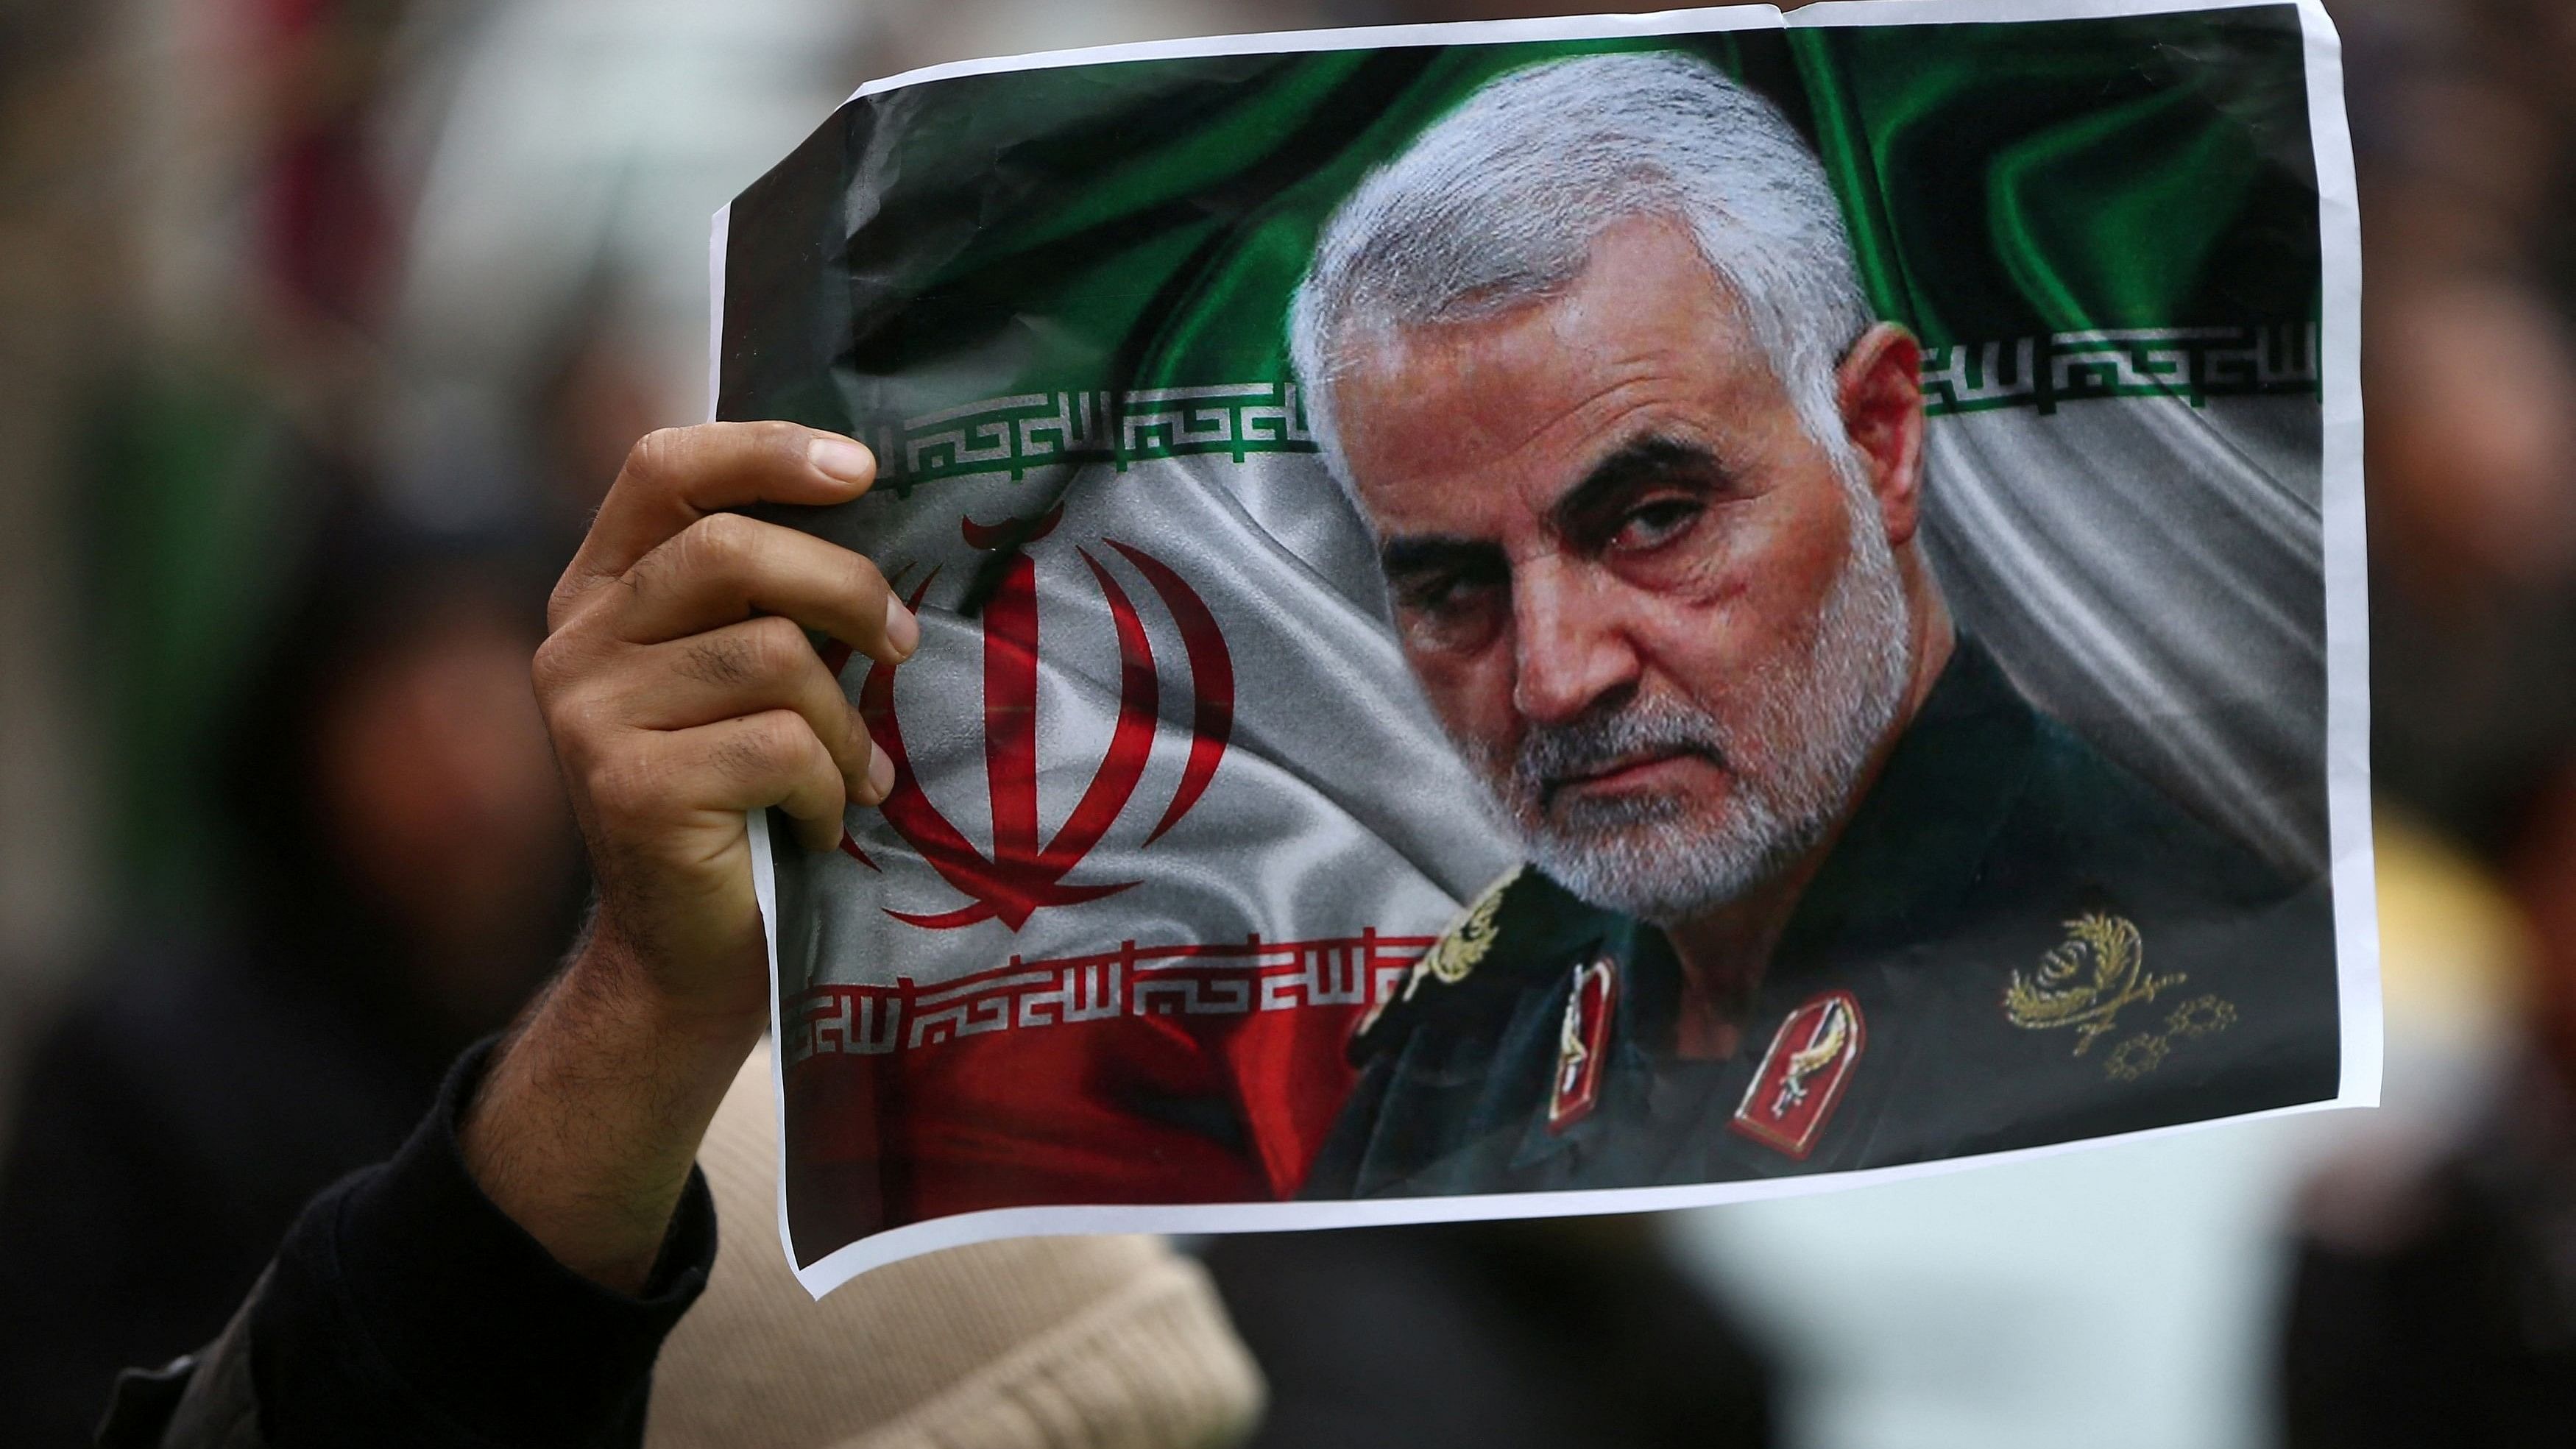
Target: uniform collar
<point x="1919" y="838"/>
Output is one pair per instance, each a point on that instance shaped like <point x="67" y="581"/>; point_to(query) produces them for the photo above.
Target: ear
<point x="1880" y="389"/>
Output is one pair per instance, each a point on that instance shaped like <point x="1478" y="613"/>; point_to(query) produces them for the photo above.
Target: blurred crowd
<point x="323" y="323"/>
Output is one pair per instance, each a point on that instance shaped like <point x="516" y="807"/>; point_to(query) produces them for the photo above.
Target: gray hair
<point x="1498" y="204"/>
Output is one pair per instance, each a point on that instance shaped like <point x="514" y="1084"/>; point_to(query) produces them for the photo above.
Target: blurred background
<point x="324" y="322"/>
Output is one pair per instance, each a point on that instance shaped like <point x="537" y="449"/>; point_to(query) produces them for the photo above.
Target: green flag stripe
<point x="1141" y="226"/>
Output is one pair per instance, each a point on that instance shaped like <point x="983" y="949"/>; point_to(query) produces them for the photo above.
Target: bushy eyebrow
<point x="1656" y="458"/>
<point x="1588" y="508"/>
<point x="1420" y="554"/>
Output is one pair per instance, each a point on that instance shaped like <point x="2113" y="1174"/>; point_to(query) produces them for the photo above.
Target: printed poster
<point x="1572" y="616"/>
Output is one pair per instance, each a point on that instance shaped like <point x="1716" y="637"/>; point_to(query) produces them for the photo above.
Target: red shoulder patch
<point x="1803" y="1075"/>
<point x="1583" y="1045"/>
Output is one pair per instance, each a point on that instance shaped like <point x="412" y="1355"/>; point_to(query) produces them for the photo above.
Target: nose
<point x="1568" y="650"/>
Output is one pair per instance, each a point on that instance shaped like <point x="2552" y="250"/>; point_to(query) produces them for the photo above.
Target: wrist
<point x="716" y="994"/>
<point x="587" y="1123"/>
<point x="702" y="1020"/>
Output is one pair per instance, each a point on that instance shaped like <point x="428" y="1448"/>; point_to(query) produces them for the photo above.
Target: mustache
<point x="1552" y="757"/>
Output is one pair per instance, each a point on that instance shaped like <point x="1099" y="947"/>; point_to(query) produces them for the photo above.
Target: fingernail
<point x="881" y="772"/>
<point x="902" y="630"/>
<point x="840" y="458"/>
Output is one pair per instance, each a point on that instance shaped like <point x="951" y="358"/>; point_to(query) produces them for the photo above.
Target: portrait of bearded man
<point x="1810" y="883"/>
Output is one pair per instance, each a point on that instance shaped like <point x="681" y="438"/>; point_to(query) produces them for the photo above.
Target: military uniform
<point x="2013" y="942"/>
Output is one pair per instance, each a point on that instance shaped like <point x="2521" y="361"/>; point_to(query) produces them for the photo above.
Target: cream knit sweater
<point x="1035" y="1343"/>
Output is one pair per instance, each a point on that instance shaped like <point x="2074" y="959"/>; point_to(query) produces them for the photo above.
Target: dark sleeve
<point x="97" y="1263"/>
<point x="404" y="1309"/>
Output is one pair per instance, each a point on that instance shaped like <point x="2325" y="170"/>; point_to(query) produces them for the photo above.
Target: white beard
<point x="1814" y="726"/>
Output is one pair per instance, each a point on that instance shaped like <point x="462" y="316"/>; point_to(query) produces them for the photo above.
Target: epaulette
<point x="1453" y="955"/>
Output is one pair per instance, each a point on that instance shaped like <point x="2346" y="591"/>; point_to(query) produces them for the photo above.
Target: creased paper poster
<point x="1572" y="616"/>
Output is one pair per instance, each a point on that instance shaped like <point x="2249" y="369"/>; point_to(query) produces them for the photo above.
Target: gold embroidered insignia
<point x="1453" y="954"/>
<point x="1464" y="944"/>
<point x="1823" y="1053"/>
<point x="2085" y="980"/>
<point x="2136" y="1057"/>
<point x="2201" y="1016"/>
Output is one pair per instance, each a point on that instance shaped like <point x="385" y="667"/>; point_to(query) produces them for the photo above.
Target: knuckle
<point x="577" y="717"/>
<point x="821" y="775"/>
<point x="655" y="456"/>
<point x="785" y="440"/>
<point x="555" y="667"/>
<point x="776" y="646"/>
<point x="766" y="747"/>
<point x="560" y="603"/>
<point x="577" y="598"/>
<point x="866" y="578"/>
<point x="719" y="543"/>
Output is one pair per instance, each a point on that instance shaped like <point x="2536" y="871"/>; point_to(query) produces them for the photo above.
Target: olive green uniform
<point x="2013" y="942"/>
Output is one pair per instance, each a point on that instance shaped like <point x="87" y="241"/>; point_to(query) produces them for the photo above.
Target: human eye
<point x="1449" y="610"/>
<point x="1654" y="523"/>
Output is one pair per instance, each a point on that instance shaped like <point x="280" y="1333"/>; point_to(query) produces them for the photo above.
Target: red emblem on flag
<point x="1803" y="1075"/>
<point x="1021" y="875"/>
<point x="1583" y="1043"/>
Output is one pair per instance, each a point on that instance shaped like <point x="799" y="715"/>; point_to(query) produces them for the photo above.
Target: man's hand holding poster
<point x="1571" y="616"/>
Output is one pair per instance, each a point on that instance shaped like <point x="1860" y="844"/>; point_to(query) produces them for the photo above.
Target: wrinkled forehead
<point x="1387" y="304"/>
<point x="1528" y="392"/>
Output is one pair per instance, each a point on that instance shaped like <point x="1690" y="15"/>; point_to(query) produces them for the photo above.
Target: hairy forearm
<point x="585" y="1129"/>
<point x="682" y="690"/>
